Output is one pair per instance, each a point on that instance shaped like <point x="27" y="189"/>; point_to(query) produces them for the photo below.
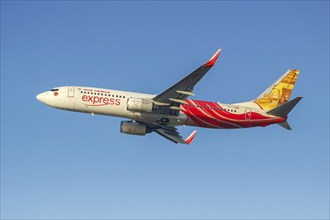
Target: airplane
<point x="162" y="113"/>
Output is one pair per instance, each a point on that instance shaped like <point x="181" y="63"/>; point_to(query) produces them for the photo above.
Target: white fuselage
<point x="116" y="103"/>
<point x="103" y="102"/>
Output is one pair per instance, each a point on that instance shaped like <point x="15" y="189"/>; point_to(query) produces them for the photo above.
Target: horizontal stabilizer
<point x="285" y="125"/>
<point x="284" y="109"/>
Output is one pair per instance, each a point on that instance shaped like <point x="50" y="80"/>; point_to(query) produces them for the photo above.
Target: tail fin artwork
<point x="279" y="92"/>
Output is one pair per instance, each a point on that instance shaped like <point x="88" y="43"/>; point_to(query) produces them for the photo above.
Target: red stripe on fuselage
<point x="213" y="115"/>
<point x="192" y="116"/>
<point x="206" y="114"/>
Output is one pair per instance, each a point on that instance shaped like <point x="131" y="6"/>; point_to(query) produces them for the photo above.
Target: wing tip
<point x="190" y="138"/>
<point x="213" y="59"/>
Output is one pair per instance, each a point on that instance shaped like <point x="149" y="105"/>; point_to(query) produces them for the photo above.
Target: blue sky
<point x="57" y="164"/>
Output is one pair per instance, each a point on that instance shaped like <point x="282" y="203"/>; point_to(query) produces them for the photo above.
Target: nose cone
<point x="41" y="97"/>
<point x="38" y="97"/>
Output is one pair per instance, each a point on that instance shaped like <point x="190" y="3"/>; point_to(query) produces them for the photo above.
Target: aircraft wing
<point x="169" y="132"/>
<point x="174" y="136"/>
<point x="170" y="100"/>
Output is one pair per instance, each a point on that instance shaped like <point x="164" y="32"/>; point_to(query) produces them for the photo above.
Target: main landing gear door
<point x="71" y="91"/>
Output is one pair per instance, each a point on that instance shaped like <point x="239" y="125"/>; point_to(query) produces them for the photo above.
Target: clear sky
<point x="58" y="164"/>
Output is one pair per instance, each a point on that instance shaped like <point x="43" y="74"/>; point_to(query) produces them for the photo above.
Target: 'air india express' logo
<point x="91" y="100"/>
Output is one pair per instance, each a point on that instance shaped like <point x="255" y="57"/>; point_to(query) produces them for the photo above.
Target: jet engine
<point x="139" y="105"/>
<point x="131" y="127"/>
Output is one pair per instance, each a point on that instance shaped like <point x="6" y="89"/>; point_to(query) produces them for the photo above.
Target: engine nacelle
<point x="139" y="105"/>
<point x="131" y="127"/>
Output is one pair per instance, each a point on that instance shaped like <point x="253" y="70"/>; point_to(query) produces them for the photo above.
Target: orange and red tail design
<point x="279" y="92"/>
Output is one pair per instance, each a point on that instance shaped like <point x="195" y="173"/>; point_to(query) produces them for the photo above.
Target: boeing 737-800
<point x="162" y="113"/>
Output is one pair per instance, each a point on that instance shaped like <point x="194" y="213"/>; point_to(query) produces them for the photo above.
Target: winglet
<point x="191" y="137"/>
<point x="212" y="61"/>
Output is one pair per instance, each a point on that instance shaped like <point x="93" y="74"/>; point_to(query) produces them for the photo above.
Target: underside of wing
<point x="169" y="132"/>
<point x="174" y="136"/>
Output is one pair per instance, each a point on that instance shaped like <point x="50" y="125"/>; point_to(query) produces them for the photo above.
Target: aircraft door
<point x="247" y="113"/>
<point x="70" y="91"/>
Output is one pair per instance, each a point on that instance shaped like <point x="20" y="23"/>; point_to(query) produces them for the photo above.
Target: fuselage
<point x="193" y="112"/>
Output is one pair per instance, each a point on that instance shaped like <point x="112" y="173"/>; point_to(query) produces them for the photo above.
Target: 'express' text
<point x="99" y="101"/>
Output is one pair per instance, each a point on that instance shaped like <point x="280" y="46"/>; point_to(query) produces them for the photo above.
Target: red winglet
<point x="212" y="61"/>
<point x="191" y="137"/>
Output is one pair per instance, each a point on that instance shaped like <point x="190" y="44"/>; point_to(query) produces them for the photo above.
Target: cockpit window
<point x="53" y="90"/>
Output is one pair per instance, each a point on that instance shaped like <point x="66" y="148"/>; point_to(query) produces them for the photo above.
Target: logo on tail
<point x="279" y="92"/>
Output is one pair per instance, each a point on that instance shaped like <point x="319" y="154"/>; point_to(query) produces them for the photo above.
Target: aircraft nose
<point x="38" y="97"/>
<point x="41" y="97"/>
